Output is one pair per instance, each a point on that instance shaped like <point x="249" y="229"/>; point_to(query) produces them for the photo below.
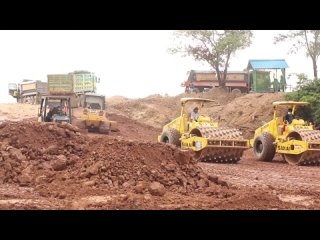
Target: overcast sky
<point x="129" y="63"/>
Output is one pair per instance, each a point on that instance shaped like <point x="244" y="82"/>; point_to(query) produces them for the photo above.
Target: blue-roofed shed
<point x="267" y="64"/>
<point x="265" y="75"/>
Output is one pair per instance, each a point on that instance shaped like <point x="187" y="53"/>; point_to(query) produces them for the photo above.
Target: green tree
<point x="212" y="46"/>
<point x="309" y="92"/>
<point x="307" y="39"/>
<point x="302" y="79"/>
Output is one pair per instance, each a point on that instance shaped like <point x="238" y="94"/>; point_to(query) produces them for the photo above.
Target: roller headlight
<point x="198" y="144"/>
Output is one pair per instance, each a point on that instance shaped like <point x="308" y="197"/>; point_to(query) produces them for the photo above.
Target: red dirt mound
<point x="35" y="153"/>
<point x="49" y="166"/>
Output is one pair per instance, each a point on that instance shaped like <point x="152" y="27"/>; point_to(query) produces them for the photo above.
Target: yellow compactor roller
<point x="297" y="142"/>
<point x="210" y="142"/>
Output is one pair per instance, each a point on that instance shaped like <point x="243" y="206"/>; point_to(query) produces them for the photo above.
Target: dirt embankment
<point x="59" y="162"/>
<point x="134" y="130"/>
<point x="154" y="110"/>
<point x="244" y="111"/>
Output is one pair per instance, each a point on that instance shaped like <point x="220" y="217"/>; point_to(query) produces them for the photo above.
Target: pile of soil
<point x="116" y="99"/>
<point x="54" y="166"/>
<point x="247" y="112"/>
<point x="57" y="158"/>
<point x="154" y="110"/>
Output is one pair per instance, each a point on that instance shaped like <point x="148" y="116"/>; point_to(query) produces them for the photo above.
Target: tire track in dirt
<point x="294" y="184"/>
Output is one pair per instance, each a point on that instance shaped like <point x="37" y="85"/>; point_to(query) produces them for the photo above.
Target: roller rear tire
<point x="263" y="147"/>
<point x="171" y="136"/>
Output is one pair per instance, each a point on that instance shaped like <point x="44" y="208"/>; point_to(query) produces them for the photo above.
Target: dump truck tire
<point x="171" y="136"/>
<point x="197" y="90"/>
<point x="263" y="147"/>
<point x="236" y="90"/>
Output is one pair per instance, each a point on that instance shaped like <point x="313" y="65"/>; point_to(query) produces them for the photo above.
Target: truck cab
<point x="55" y="109"/>
<point x="13" y="90"/>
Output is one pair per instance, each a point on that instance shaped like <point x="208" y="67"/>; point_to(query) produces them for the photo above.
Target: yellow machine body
<point x="298" y="142"/>
<point x="204" y="136"/>
<point x="94" y="116"/>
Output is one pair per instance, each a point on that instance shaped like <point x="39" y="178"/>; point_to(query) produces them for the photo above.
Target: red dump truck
<point x="201" y="81"/>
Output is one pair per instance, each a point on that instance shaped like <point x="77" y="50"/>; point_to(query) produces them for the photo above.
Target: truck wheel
<point x="236" y="90"/>
<point x="196" y="90"/>
<point x="263" y="147"/>
<point x="171" y="136"/>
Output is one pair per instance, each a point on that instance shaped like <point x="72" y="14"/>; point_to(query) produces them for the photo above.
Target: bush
<point x="309" y="92"/>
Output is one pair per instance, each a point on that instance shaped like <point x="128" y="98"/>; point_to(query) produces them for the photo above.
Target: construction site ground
<point x="48" y="166"/>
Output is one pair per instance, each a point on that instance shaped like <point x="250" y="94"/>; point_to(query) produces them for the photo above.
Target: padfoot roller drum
<point x="224" y="145"/>
<point x="312" y="155"/>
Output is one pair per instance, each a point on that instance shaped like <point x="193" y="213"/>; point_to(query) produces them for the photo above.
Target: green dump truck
<point x="74" y="84"/>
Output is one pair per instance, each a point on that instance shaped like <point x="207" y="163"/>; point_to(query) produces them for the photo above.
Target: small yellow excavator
<point x="297" y="141"/>
<point x="210" y="142"/>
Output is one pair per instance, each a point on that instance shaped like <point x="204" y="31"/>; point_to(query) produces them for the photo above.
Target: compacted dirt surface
<point x="57" y="166"/>
<point x="294" y="184"/>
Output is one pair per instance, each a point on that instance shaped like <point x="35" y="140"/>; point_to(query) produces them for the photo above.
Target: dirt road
<point x="277" y="175"/>
<point x="296" y="184"/>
